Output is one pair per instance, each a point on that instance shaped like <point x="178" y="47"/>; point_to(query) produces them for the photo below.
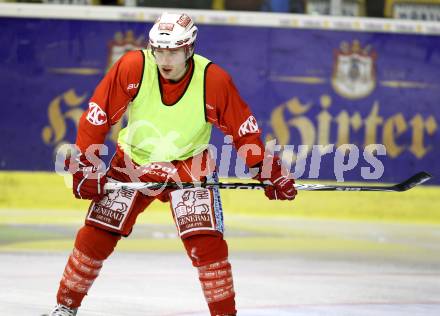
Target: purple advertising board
<point x="306" y="87"/>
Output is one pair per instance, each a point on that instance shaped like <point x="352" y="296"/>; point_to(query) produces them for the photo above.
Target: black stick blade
<point x="410" y="183"/>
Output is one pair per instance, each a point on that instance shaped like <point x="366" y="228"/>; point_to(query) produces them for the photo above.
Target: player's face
<point x="171" y="62"/>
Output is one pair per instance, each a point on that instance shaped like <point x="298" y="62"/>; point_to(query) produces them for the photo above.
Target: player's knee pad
<point x="205" y="249"/>
<point x="96" y="243"/>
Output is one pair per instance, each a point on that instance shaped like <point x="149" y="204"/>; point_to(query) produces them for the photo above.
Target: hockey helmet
<point x="172" y="31"/>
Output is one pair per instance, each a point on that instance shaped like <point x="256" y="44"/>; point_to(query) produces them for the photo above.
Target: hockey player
<point x="175" y="98"/>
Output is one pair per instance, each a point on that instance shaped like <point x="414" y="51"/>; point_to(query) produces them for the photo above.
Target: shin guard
<point x="92" y="247"/>
<point x="218" y="288"/>
<point x="78" y="277"/>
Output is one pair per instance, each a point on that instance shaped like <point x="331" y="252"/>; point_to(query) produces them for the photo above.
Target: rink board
<point x="289" y="68"/>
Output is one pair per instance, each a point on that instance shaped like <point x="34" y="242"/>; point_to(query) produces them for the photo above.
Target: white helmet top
<point x="172" y="31"/>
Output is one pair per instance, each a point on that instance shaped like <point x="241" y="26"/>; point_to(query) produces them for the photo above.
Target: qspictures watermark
<point x="295" y="160"/>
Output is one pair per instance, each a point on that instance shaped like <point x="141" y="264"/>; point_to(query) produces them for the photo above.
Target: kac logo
<point x="249" y="126"/>
<point x="96" y="115"/>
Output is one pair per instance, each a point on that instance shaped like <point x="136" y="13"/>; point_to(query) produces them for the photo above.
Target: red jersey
<point x="224" y="107"/>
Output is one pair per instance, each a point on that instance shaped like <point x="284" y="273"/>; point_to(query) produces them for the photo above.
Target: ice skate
<point x="61" y="310"/>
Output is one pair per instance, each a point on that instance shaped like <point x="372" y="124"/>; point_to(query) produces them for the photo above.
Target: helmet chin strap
<point x="189" y="51"/>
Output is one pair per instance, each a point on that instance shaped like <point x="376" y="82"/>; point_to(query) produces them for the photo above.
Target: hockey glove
<point x="281" y="187"/>
<point x="88" y="180"/>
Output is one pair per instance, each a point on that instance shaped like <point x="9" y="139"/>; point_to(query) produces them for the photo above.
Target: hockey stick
<point x="416" y="179"/>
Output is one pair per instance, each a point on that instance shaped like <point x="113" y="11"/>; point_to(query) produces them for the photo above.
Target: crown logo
<point x="122" y="43"/>
<point x="354" y="70"/>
